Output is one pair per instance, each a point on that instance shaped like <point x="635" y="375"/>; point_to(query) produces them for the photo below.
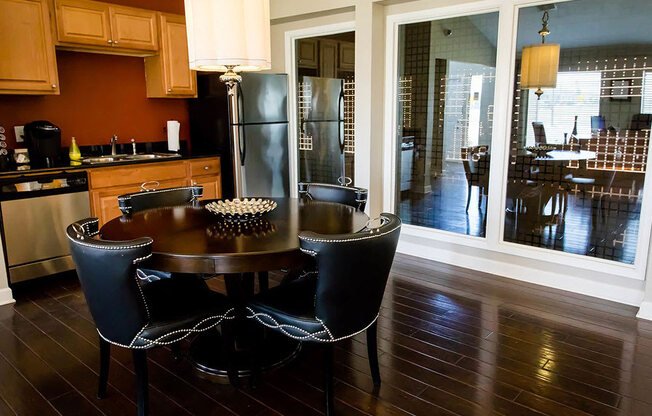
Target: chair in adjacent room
<point x="135" y="316"/>
<point x="476" y="170"/>
<point x="641" y="122"/>
<point x="598" y="124"/>
<point x="338" y="300"/>
<point x="539" y="133"/>
<point x="347" y="195"/>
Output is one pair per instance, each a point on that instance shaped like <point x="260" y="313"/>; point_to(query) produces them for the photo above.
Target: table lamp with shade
<point x="229" y="36"/>
<point x="539" y="63"/>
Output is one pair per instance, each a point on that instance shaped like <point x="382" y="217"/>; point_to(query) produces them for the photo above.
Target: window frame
<point x="438" y="240"/>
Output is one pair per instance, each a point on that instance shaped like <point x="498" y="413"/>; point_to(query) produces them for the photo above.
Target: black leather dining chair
<point x="347" y="195"/>
<point x="338" y="300"/>
<point x="135" y="316"/>
<point x="168" y="197"/>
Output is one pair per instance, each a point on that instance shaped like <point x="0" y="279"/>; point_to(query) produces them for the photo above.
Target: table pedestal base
<point x="208" y="356"/>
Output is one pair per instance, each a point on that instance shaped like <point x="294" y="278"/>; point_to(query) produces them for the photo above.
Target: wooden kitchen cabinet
<point x="328" y="58"/>
<point x="134" y="28"/>
<point x="83" y="22"/>
<point x="106" y="184"/>
<point x="103" y="27"/>
<point x="308" y="53"/>
<point x="347" y="56"/>
<point x="27" y="58"/>
<point x="207" y="173"/>
<point x="168" y="73"/>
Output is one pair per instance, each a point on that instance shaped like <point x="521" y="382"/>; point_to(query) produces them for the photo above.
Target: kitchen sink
<point x="126" y="158"/>
<point x="147" y="156"/>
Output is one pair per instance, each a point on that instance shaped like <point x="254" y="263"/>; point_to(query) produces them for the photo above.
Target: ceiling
<point x="581" y="23"/>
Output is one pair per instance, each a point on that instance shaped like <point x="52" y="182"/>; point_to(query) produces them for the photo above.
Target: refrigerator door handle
<point x="242" y="144"/>
<point x="340" y="118"/>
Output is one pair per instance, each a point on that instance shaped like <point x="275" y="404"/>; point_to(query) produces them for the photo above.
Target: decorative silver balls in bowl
<point x="241" y="210"/>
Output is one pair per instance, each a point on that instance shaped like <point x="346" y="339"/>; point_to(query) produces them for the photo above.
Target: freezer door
<point x="263" y="98"/>
<point x="265" y="150"/>
<point x="325" y="101"/>
<point x="323" y="163"/>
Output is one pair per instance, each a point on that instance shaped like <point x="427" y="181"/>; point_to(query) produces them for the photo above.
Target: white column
<point x="369" y="100"/>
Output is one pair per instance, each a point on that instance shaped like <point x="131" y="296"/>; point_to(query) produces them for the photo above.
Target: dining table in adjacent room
<point x="190" y="240"/>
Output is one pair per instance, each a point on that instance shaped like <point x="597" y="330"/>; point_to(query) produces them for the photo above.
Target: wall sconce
<point x="539" y="63"/>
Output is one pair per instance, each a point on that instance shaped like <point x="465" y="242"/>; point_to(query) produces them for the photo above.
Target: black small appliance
<point x="43" y="140"/>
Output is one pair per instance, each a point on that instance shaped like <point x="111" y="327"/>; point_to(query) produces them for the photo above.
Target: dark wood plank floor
<point x="452" y="342"/>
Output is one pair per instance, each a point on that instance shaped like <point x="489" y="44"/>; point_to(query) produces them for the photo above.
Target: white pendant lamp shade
<point x="224" y="33"/>
<point x="539" y="66"/>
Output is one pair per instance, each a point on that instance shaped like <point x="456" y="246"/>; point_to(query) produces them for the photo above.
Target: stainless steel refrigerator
<point x="263" y="125"/>
<point x="323" y="124"/>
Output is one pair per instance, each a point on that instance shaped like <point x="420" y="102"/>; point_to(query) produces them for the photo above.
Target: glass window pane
<point x="578" y="151"/>
<point x="325" y="108"/>
<point x="446" y="79"/>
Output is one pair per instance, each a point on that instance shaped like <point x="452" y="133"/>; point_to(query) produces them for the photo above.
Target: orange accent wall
<point x="101" y="95"/>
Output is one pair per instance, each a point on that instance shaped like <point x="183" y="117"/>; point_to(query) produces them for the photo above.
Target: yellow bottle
<point x="74" y="152"/>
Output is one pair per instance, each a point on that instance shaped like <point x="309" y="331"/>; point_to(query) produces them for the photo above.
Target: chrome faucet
<point x="114" y="140"/>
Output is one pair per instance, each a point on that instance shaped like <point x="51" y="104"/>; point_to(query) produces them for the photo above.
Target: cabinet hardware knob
<point x="194" y="183"/>
<point x="205" y="167"/>
<point x="115" y="42"/>
<point x="54" y="85"/>
<point x="110" y="41"/>
<point x="169" y="89"/>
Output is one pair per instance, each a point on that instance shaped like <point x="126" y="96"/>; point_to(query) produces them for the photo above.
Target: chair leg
<point x="328" y="379"/>
<point x="105" y="359"/>
<point x="263" y="281"/>
<point x="142" y="384"/>
<point x="468" y="198"/>
<point x="372" y="352"/>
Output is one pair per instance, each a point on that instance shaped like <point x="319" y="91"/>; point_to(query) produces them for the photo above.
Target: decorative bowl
<point x="241" y="210"/>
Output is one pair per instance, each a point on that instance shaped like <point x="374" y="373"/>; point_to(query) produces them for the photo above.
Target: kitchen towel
<point x="173" y="135"/>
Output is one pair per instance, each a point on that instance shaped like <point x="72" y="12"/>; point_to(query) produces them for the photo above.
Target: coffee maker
<point x="43" y="140"/>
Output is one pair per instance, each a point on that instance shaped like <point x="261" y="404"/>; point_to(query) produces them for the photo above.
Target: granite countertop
<point x="70" y="167"/>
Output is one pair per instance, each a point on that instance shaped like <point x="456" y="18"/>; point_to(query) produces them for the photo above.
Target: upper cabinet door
<point x="179" y="78"/>
<point x="347" y="56"/>
<point x="83" y="22"/>
<point x="27" y="59"/>
<point x="168" y="74"/>
<point x="308" y="54"/>
<point x="133" y="28"/>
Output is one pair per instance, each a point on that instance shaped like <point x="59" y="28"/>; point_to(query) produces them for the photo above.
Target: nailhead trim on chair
<point x="309" y="252"/>
<point x="112" y="247"/>
<point x="187" y="332"/>
<point x="309" y="335"/>
<point x="324" y="240"/>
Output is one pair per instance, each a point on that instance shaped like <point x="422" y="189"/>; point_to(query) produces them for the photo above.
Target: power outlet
<point x="20" y="133"/>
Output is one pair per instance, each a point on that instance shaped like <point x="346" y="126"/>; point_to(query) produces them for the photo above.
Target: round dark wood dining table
<point x="190" y="239"/>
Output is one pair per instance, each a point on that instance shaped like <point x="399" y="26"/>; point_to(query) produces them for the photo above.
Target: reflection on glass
<point x="325" y="108"/>
<point x="445" y="113"/>
<point x="578" y="154"/>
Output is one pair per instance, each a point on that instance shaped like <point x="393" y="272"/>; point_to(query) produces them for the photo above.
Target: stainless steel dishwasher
<point x="36" y="210"/>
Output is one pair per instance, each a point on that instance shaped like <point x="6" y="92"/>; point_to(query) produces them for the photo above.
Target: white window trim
<point x="291" y="37"/>
<point x="496" y="204"/>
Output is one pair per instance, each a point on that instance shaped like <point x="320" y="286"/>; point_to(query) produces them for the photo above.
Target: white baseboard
<point x="613" y="288"/>
<point x="645" y="311"/>
<point x="6" y="296"/>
